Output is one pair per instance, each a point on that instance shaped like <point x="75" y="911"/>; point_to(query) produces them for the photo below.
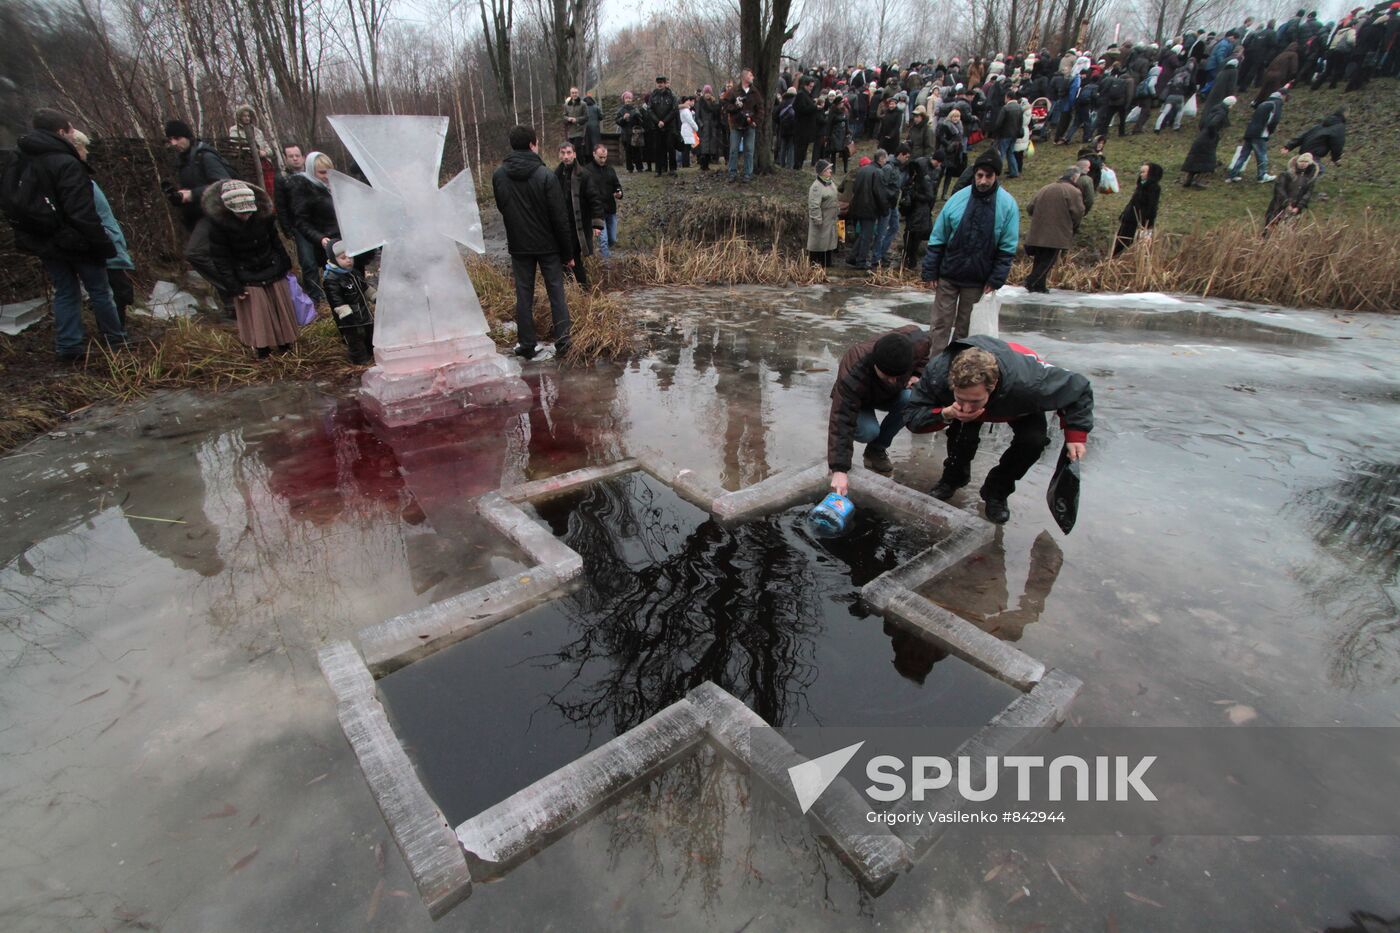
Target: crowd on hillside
<point x="927" y="119"/>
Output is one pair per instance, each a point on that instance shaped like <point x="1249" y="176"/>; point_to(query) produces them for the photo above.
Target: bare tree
<point x="566" y="25"/>
<point x="366" y="21"/>
<point x="496" y="32"/>
<point x="763" y="31"/>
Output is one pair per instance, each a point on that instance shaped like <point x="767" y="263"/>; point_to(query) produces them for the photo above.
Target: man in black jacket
<point x="666" y="112"/>
<point x="71" y="243"/>
<point x="804" y="123"/>
<point x="869" y="203"/>
<point x="981" y="379"/>
<point x="538" y="234"/>
<point x="198" y="166"/>
<point x="609" y="189"/>
<point x="1115" y="95"/>
<point x="284" y="196"/>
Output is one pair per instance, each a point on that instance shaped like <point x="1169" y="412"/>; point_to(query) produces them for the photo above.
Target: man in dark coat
<point x="1328" y="138"/>
<point x="538" y="234"/>
<point x="71" y="243"/>
<point x="1259" y="50"/>
<point x="1055" y="212"/>
<point x="584" y="206"/>
<point x="609" y="189"/>
<point x="743" y="108"/>
<point x="666" y="113"/>
<point x="284" y="195"/>
<point x="868" y="204"/>
<point x="1007" y="130"/>
<point x="980" y="379"/>
<point x="805" y="125"/>
<point x="1115" y="96"/>
<point x="198" y="166"/>
<point x="873" y="376"/>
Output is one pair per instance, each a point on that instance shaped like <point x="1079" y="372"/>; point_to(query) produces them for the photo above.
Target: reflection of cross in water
<point x="425" y="296"/>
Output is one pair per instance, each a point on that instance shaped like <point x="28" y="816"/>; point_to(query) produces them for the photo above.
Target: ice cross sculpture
<point x="427" y="310"/>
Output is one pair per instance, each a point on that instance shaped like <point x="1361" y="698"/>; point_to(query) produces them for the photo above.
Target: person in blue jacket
<point x="970" y="250"/>
<point x="123" y="292"/>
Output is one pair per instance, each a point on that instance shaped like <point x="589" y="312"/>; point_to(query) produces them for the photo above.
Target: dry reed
<point x="1342" y="264"/>
<point x="730" y="261"/>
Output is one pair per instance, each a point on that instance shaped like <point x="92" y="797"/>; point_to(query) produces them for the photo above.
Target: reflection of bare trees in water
<point x="700" y="822"/>
<point x="1355" y="520"/>
<point x="40" y="590"/>
<point x="667" y="610"/>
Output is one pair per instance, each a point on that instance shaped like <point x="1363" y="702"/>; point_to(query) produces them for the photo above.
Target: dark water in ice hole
<point x="672" y="599"/>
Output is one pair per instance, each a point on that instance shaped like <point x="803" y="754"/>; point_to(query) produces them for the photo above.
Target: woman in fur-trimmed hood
<point x="235" y="246"/>
<point x="245" y="126"/>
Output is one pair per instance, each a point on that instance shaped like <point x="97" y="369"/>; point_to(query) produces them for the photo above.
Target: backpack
<point x="27" y="198"/>
<point x="787" y="117"/>
<point x="203" y="149"/>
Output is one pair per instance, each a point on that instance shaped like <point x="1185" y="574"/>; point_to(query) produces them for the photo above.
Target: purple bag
<point x="305" y="307"/>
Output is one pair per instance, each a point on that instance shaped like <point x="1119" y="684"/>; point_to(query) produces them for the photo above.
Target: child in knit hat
<point x="349" y="296"/>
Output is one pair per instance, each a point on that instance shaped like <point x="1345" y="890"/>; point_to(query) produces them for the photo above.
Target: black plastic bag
<point x="1063" y="494"/>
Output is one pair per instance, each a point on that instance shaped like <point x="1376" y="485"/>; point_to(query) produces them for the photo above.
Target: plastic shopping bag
<point x="1190" y="109"/>
<point x="1108" y="181"/>
<point x="305" y="307"/>
<point x="985" y="314"/>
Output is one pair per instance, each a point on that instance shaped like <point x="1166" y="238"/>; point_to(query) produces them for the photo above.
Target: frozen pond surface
<point x="167" y="572"/>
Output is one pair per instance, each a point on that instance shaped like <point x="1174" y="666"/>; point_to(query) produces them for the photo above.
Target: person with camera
<point x="743" y="105"/>
<point x="198" y="165"/>
<point x="48" y="197"/>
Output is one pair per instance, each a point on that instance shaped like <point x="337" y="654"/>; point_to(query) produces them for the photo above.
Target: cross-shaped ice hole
<point x="670" y="599"/>
<point x="425" y="295"/>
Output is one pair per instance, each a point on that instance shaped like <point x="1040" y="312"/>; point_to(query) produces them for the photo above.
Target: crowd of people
<point x="236" y="236"/>
<point x="928" y="120"/>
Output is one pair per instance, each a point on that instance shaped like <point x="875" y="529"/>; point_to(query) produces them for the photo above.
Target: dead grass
<point x="730" y="261"/>
<point x="1346" y="264"/>
<point x="181" y="354"/>
<point x="599" y="325"/>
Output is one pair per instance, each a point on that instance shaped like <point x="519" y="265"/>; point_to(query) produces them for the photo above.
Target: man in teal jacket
<point x="970" y="250"/>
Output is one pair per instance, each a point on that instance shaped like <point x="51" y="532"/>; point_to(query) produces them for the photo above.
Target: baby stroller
<point x="1040" y="118"/>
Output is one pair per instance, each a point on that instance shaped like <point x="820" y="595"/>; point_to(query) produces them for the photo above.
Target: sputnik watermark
<point x="1116" y="778"/>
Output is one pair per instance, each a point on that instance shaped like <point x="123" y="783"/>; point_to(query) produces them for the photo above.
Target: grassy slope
<point x="1366" y="178"/>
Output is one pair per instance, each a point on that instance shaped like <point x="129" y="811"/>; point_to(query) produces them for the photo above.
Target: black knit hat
<point x="894" y="354"/>
<point x="988" y="160"/>
<point x="175" y="129"/>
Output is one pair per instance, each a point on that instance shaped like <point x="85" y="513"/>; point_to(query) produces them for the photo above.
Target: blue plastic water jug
<point x="832" y="516"/>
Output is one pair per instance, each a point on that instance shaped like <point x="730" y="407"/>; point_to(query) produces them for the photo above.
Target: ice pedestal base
<point x="412" y="384"/>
